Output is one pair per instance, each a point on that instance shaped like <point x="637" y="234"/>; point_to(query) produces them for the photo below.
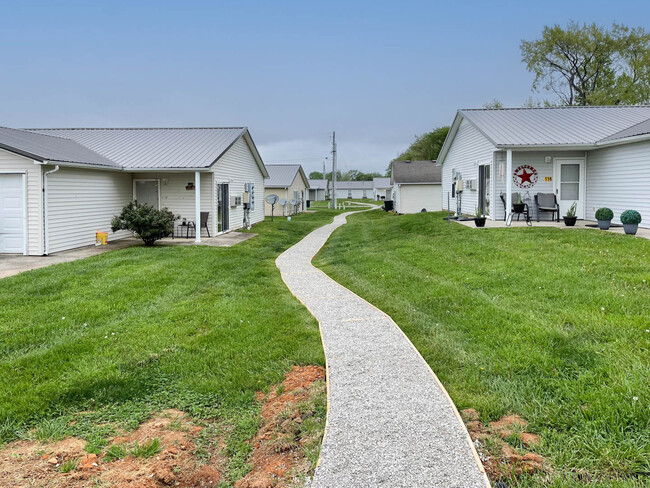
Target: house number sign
<point x="525" y="176"/>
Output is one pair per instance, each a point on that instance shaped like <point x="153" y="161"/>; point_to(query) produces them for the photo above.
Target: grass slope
<point x="552" y="324"/>
<point x="120" y="335"/>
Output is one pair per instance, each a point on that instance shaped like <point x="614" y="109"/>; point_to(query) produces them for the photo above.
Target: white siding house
<point x="381" y="189"/>
<point x="73" y="181"/>
<point x="416" y="186"/>
<point x="317" y="190"/>
<point x="288" y="182"/>
<point x="593" y="156"/>
<point x="353" y="189"/>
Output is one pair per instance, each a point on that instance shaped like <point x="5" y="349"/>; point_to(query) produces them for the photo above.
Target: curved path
<point x="390" y="422"/>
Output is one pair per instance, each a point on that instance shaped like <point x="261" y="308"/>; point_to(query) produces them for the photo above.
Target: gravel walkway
<point x="390" y="422"/>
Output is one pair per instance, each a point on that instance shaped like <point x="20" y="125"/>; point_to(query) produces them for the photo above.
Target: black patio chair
<point x="204" y="222"/>
<point x="547" y="202"/>
<point x="515" y="198"/>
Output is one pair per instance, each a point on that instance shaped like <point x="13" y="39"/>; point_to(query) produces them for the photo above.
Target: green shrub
<point x="631" y="217"/>
<point x="604" y="213"/>
<point x="145" y="221"/>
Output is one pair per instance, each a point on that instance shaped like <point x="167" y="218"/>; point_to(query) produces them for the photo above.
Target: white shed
<point x="60" y="186"/>
<point x="416" y="186"/>
<point x="593" y="156"/>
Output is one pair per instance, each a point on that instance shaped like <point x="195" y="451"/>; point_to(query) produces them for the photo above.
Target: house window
<point x="349" y="193"/>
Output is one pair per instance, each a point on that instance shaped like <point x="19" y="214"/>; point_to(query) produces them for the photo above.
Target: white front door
<point x="12" y="213"/>
<point x="570" y="185"/>
<point x="147" y="191"/>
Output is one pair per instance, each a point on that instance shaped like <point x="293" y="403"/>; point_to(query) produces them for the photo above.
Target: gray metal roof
<point x="554" y="126"/>
<point x="49" y="148"/>
<point x="318" y="184"/>
<point x="381" y="183"/>
<point x="282" y="175"/>
<point x="416" y="172"/>
<point x="639" y="129"/>
<point x="151" y="148"/>
<point x="353" y="185"/>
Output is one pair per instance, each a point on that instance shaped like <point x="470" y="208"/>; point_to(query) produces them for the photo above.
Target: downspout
<point x="46" y="240"/>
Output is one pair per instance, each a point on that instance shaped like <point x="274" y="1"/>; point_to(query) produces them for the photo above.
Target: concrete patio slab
<point x="580" y="224"/>
<point x="12" y="264"/>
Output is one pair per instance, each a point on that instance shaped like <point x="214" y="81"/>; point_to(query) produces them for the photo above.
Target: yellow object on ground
<point x="101" y="239"/>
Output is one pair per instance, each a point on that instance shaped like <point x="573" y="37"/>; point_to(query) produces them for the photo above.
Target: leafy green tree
<point x="145" y="221"/>
<point x="425" y="147"/>
<point x="494" y="103"/>
<point x="591" y="65"/>
<point x="316" y="175"/>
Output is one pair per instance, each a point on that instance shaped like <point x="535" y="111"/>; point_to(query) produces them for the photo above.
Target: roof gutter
<point x="624" y="140"/>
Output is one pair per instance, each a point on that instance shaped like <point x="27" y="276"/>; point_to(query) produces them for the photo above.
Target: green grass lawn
<point x="118" y="336"/>
<point x="551" y="324"/>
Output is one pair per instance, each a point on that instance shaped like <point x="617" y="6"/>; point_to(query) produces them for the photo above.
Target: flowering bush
<point x="145" y="221"/>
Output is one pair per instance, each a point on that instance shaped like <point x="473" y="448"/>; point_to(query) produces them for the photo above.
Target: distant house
<point x="58" y="187"/>
<point x="353" y="189"/>
<point x="317" y="190"/>
<point x="287" y="181"/>
<point x="593" y="156"/>
<point x="381" y="189"/>
<point x="417" y="186"/>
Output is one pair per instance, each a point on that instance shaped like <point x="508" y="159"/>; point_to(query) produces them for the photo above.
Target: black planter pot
<point x="570" y="221"/>
<point x="518" y="207"/>
<point x="479" y="221"/>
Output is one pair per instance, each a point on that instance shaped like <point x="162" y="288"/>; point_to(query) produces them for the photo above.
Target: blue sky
<point x="376" y="72"/>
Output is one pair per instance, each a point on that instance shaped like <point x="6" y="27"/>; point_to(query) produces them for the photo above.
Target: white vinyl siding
<point x="12" y="163"/>
<point x="181" y="202"/>
<point x="468" y="148"/>
<point x="238" y="167"/>
<point x="414" y="198"/>
<point x="82" y="202"/>
<point x="353" y="193"/>
<point x="619" y="178"/>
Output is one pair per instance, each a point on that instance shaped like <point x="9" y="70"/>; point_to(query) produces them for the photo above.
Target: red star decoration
<point x="525" y="176"/>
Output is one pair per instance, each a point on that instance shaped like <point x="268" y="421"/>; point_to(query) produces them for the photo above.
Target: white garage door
<point x="12" y="219"/>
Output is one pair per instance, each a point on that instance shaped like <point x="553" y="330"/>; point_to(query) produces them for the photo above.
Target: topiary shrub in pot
<point x="631" y="220"/>
<point x="604" y="217"/>
<point x="145" y="221"/>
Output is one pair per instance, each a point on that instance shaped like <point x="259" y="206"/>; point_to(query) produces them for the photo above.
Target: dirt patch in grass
<point x="291" y="428"/>
<point x="170" y="449"/>
<point x="504" y="446"/>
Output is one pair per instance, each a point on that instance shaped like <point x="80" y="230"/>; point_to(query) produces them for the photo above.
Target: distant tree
<point x="316" y="175"/>
<point x="425" y="147"/>
<point x="494" y="103"/>
<point x="591" y="65"/>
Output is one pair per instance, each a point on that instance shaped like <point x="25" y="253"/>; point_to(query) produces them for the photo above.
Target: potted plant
<point x="518" y="206"/>
<point x="570" y="217"/>
<point x="479" y="217"/>
<point x="604" y="217"/>
<point x="630" y="220"/>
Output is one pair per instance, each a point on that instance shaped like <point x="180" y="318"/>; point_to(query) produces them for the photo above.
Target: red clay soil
<point x="277" y="452"/>
<point x="277" y="457"/>
<point x="500" y="459"/>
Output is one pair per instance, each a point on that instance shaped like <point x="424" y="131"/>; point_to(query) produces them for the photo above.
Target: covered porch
<point x="198" y="199"/>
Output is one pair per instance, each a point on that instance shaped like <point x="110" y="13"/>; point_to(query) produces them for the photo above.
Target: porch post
<point x="197" y="205"/>
<point x="508" y="182"/>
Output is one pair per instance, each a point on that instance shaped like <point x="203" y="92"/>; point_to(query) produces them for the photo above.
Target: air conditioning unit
<point x="472" y="184"/>
<point x="235" y="201"/>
